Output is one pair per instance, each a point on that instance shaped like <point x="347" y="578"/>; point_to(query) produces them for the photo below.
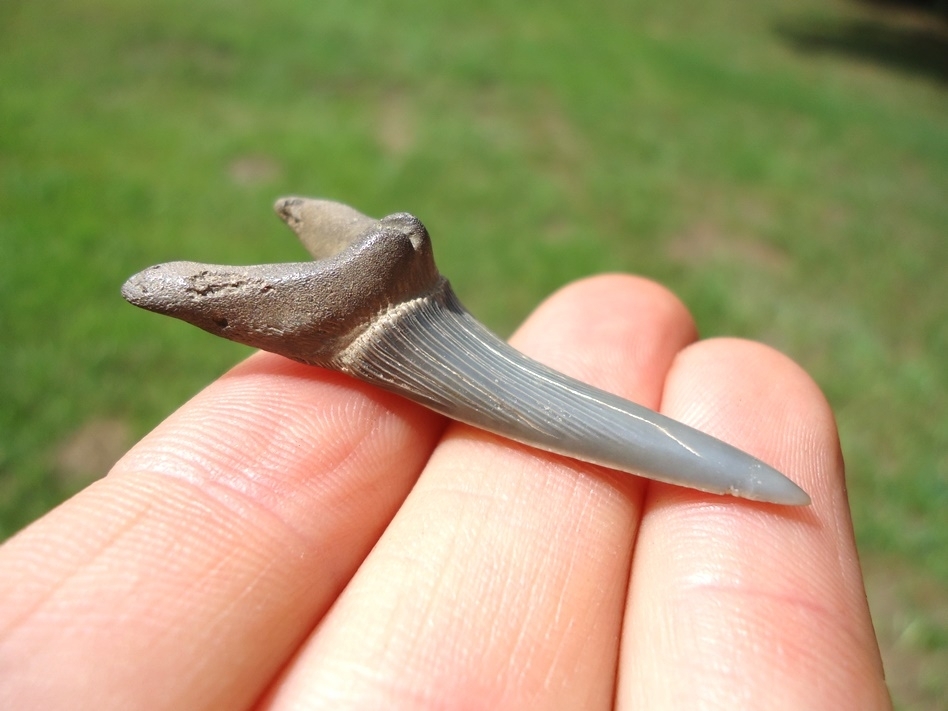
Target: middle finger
<point x="502" y="579"/>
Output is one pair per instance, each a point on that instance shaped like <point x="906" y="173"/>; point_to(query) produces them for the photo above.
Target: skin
<point x="292" y="539"/>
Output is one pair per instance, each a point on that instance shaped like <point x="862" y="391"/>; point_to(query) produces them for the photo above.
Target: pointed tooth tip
<point x="794" y="496"/>
<point x="750" y="478"/>
<point x="778" y="489"/>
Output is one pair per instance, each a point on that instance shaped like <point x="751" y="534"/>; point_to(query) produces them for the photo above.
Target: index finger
<point x="187" y="577"/>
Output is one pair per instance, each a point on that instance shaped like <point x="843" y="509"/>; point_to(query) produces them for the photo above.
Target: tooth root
<point x="324" y="227"/>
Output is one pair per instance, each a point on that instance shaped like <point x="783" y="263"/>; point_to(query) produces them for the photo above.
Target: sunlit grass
<point x="788" y="197"/>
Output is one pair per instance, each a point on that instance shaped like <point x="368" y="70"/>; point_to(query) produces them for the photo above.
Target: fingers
<point x="501" y="581"/>
<point x="188" y="576"/>
<point x="733" y="604"/>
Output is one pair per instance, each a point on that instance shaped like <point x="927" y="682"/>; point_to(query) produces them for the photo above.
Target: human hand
<point x="293" y="539"/>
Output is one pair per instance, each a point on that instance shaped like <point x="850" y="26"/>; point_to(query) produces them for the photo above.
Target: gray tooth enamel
<point x="374" y="306"/>
<point x="435" y="353"/>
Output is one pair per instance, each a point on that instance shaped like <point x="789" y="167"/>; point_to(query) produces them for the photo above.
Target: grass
<point x="790" y="191"/>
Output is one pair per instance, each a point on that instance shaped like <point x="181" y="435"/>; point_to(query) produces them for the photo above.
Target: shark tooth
<point x="373" y="305"/>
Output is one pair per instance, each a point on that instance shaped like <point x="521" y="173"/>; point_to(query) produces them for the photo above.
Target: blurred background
<point x="782" y="166"/>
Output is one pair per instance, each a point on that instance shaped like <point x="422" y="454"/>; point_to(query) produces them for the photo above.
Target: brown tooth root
<point x="374" y="306"/>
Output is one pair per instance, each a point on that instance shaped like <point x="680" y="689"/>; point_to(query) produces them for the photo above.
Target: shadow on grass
<point x="933" y="8"/>
<point x="919" y="50"/>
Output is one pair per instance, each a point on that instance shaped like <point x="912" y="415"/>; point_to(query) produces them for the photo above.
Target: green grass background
<point x="782" y="166"/>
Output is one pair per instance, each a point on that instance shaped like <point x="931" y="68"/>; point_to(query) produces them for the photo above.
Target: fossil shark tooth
<point x="373" y="305"/>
